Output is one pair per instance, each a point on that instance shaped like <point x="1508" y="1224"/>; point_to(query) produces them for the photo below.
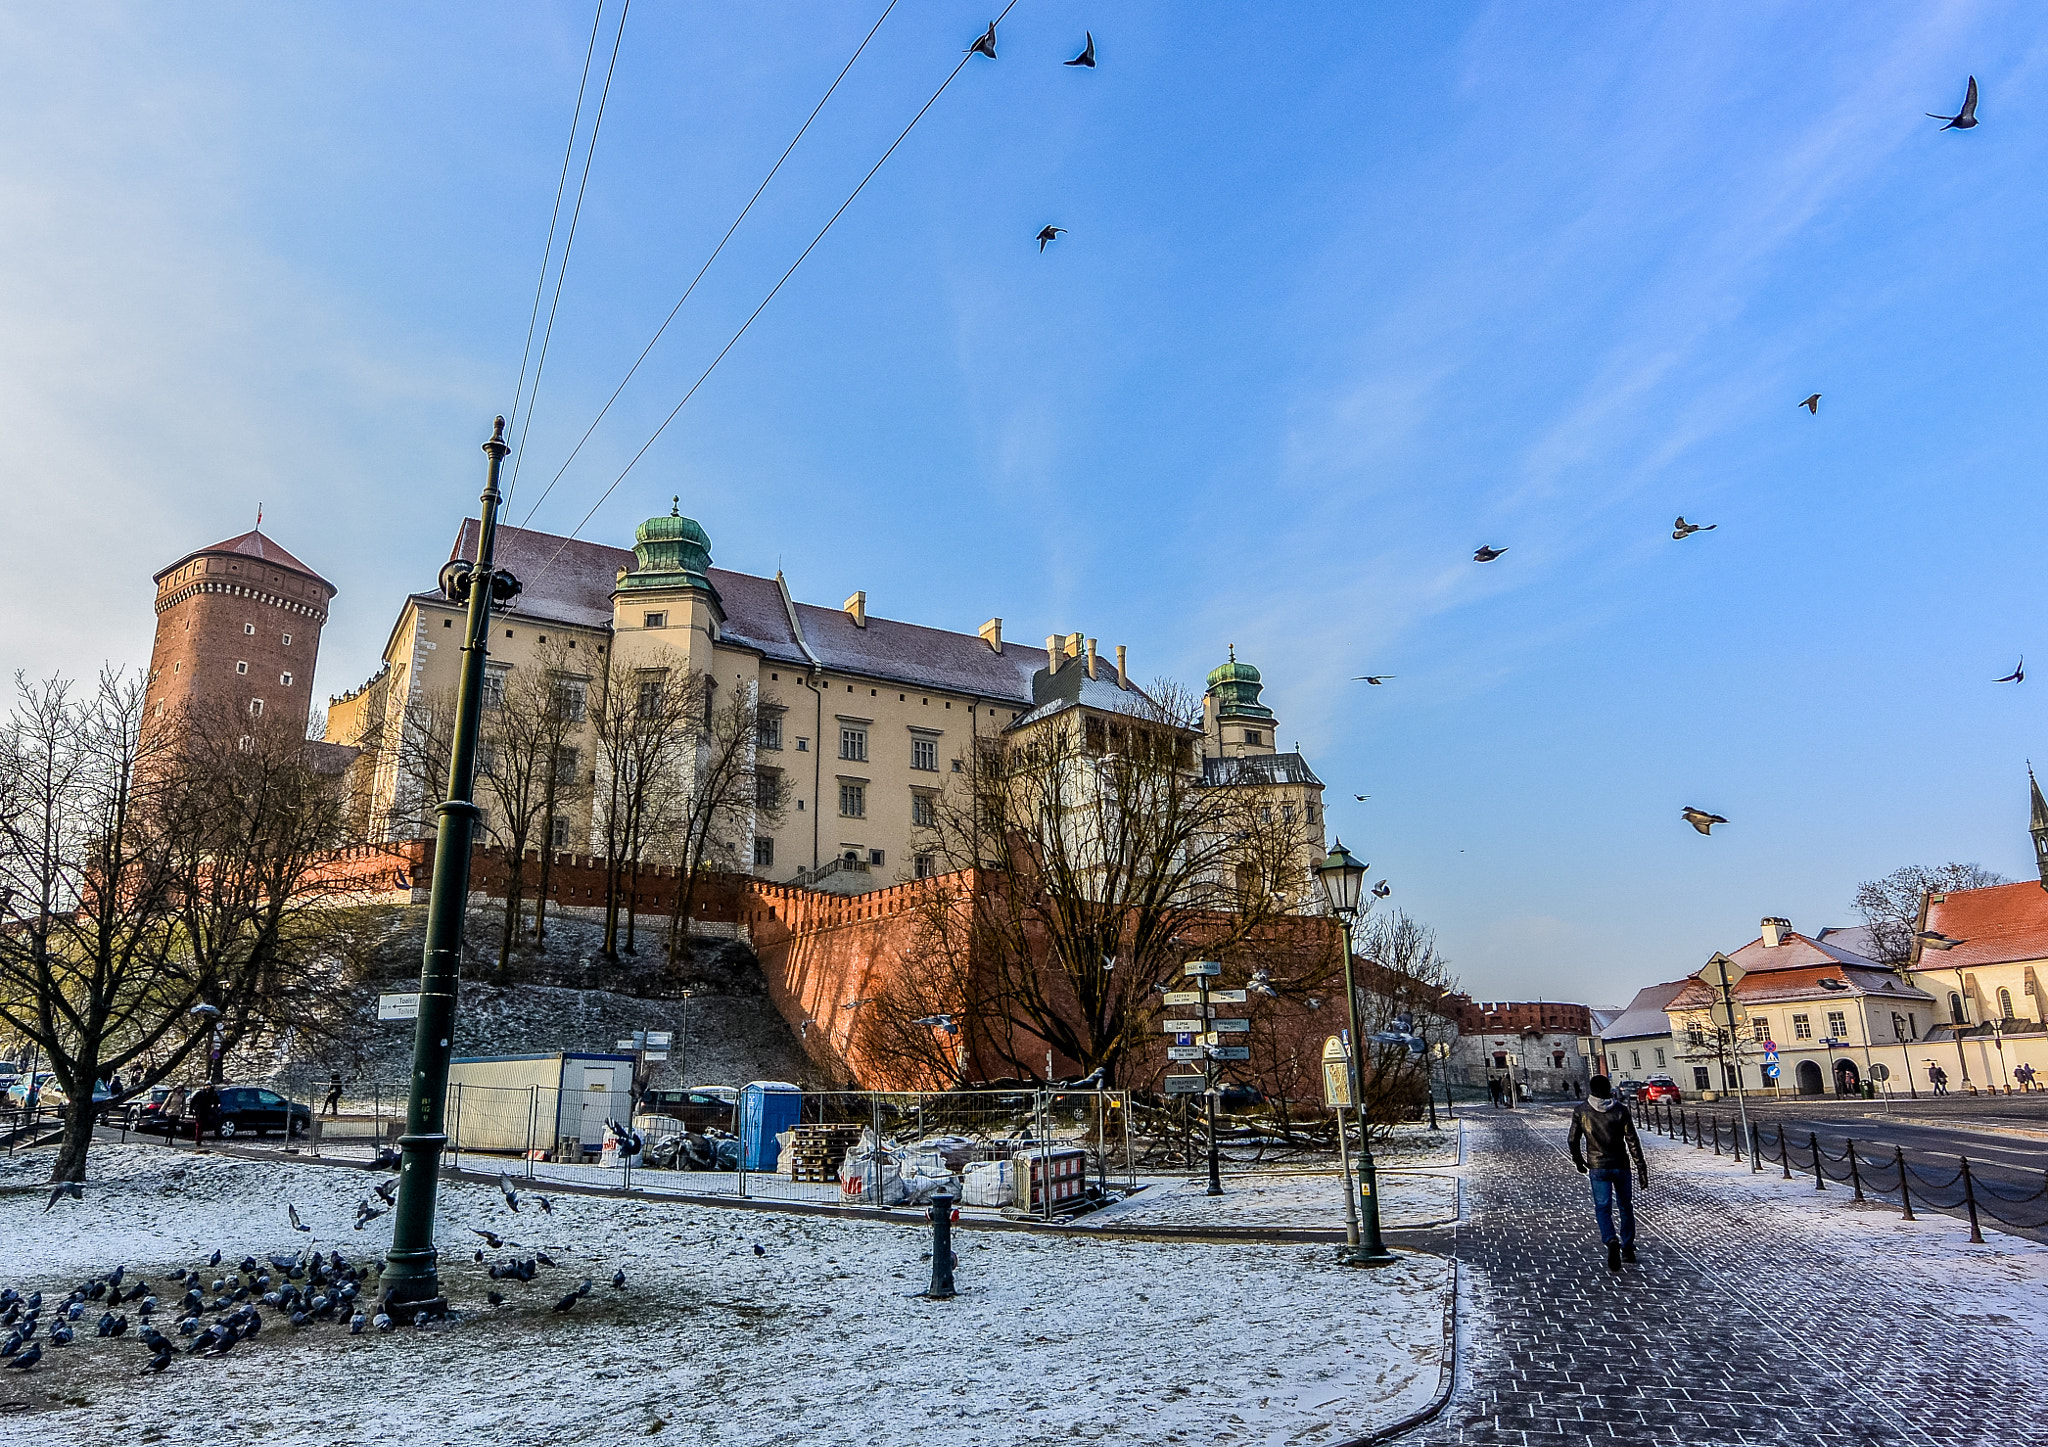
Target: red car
<point x="1661" y="1087"/>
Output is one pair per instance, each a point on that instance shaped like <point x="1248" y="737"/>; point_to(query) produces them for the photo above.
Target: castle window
<point x="245" y="744"/>
<point x="770" y="729"/>
<point x="287" y="640"/>
<point x="924" y="866"/>
<point x="655" y="620"/>
<point x="178" y="667"/>
<point x="853" y="801"/>
<point x="1254" y="736"/>
<point x="1802" y="1028"/>
<point x="284" y="680"/>
<point x="853" y="744"/>
<point x="875" y="857"/>
<point x="241" y="666"/>
<point x="249" y="628"/>
<point x="764" y="851"/>
<point x="924" y="754"/>
<point x="256" y="707"/>
<point x="450" y="623"/>
<point x="924" y="811"/>
<point x="2005" y="1003"/>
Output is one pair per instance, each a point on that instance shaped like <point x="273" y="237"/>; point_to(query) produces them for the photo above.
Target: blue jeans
<point x="1613" y="1187"/>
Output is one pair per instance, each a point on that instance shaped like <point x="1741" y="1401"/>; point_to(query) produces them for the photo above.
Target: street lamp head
<point x="1343" y="879"/>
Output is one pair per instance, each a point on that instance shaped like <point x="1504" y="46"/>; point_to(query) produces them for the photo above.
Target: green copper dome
<point x="1236" y="689"/>
<point x="672" y="552"/>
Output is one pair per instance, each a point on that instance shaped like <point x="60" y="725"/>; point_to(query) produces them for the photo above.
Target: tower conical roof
<point x="1236" y="689"/>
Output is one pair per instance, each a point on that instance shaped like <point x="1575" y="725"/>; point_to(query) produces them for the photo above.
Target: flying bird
<point x="1361" y="798"/>
<point x="1700" y="819"/>
<point x="1683" y="529"/>
<point x="492" y="1239"/>
<point x="1087" y="56"/>
<point x="387" y="1191"/>
<point x="1486" y="555"/>
<point x="505" y="1187"/>
<point x="1049" y="235"/>
<point x="1382" y="890"/>
<point x="293" y="1212"/>
<point x="366" y="1213"/>
<point x="547" y="1205"/>
<point x="1934" y="939"/>
<point x="62" y="1189"/>
<point x="1962" y="120"/>
<point x="987" y="46"/>
<point x="939" y="1022"/>
<point x="2018" y="675"/>
<point x="1812" y="404"/>
<point x="1376" y="679"/>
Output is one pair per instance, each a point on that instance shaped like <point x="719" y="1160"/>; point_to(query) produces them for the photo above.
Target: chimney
<point x="857" y="609"/>
<point x="1775" y="930"/>
<point x="1072" y="645"/>
<point x="1052" y="652"/>
<point x="1123" y="679"/>
<point x="992" y="634"/>
<point x="1091" y="658"/>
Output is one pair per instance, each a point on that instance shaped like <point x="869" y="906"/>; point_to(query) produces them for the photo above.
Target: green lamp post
<point x="1343" y="879"/>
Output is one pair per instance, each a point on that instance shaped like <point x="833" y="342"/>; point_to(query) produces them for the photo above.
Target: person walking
<point x="172" y="1113"/>
<point x="1939" y="1078"/>
<point x="1603" y="1131"/>
<point x="1493" y="1090"/>
<point x="333" y="1105"/>
<point x="205" y="1112"/>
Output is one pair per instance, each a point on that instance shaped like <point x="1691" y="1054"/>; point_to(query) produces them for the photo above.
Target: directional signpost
<point x="1337" y="1095"/>
<point x="1198" y="1036"/>
<point x="398" y="1007"/>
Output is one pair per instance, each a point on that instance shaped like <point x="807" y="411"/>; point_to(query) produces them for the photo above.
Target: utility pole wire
<point x="663" y="328"/>
<point x="561" y="275"/>
<point x="706" y="373"/>
<point x="540" y="283"/>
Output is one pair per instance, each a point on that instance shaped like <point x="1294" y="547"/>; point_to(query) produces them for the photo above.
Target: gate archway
<point x="1809" y="1077"/>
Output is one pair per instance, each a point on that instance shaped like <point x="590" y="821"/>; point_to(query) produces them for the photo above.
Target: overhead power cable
<point x="568" y="244"/>
<point x="547" y="252"/>
<point x="677" y="308"/>
<point x="703" y="376"/>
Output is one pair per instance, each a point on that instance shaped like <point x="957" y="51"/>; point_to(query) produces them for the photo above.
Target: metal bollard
<point x="1855" y="1174"/>
<point x="1715" y="1121"/>
<point x="1784" y="1160"/>
<point x="1970" y="1200"/>
<point x="942" y="1248"/>
<point x="1820" y="1180"/>
<point x="1905" y="1193"/>
<point x="1756" y="1149"/>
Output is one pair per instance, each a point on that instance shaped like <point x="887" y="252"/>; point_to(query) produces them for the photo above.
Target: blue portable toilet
<point x="767" y="1108"/>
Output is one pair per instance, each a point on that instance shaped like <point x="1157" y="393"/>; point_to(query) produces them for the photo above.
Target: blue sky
<point x="1347" y="291"/>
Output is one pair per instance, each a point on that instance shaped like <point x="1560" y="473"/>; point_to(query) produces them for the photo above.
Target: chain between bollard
<point x="1970" y="1200"/>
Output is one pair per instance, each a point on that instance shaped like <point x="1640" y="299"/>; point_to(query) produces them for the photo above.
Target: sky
<point x="1345" y="292"/>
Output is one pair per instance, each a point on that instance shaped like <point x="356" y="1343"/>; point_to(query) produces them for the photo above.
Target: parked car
<point x="143" y="1114"/>
<point x="1628" y="1091"/>
<point x="700" y="1108"/>
<point x="1661" y="1087"/>
<point x="48" y="1092"/>
<point x="245" y="1110"/>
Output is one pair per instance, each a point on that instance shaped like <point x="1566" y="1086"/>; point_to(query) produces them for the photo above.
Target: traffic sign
<point x="1182" y="1027"/>
<point x="1230" y="1052"/>
<point x="1231" y="1027"/>
<point x="1201" y="967"/>
<point x="398" y="1007"/>
<point x="1186" y="1084"/>
<point x="1187" y="997"/>
<point x="1184" y="1052"/>
<point x="1227" y="997"/>
<point x="659" y="1039"/>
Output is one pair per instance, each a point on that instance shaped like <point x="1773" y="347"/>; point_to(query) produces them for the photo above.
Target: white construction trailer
<point x="518" y="1103"/>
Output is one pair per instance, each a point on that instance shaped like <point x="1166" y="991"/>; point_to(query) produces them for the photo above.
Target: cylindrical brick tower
<point x="237" y="626"/>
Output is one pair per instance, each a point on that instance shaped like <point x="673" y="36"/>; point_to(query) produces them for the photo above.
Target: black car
<point x="245" y="1110"/>
<point x="1628" y="1090"/>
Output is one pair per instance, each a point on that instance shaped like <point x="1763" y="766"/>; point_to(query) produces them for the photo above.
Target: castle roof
<point x="251" y="544"/>
<point x="1998" y="924"/>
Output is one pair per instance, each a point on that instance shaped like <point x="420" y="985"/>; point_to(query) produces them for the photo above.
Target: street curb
<point x="1446" y="1377"/>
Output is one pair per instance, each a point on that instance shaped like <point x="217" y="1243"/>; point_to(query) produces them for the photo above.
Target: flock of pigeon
<point x="986" y="45"/>
<point x="1701" y="819"/>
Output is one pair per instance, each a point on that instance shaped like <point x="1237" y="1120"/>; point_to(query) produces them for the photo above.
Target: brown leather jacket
<point x="1609" y="1135"/>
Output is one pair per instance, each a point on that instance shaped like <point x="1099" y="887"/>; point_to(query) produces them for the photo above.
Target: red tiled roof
<point x="253" y="544"/>
<point x="1997" y="924"/>
<point x="1793" y="971"/>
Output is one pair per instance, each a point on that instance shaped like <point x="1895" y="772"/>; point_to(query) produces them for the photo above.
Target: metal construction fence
<point x="1873" y="1171"/>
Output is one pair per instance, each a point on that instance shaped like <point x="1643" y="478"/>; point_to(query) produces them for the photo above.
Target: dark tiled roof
<point x="1259" y="769"/>
<point x="574" y="587"/>
<point x="253" y="544"/>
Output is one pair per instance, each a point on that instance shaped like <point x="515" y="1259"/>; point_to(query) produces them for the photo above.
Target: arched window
<point x="1955" y="1008"/>
<point x="2005" y="1003"/>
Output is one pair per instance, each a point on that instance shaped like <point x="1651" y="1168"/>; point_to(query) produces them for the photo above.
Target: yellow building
<point x="864" y="718"/>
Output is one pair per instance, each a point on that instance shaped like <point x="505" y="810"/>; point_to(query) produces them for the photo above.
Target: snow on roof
<point x="1644" y="1015"/>
<point x="1259" y="769"/>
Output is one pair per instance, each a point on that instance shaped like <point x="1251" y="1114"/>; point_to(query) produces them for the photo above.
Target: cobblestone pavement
<point x="1744" y="1322"/>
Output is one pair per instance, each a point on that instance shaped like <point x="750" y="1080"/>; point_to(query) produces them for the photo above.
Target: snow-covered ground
<point x="818" y="1338"/>
<point x="2004" y="1281"/>
<point x="1268" y="1199"/>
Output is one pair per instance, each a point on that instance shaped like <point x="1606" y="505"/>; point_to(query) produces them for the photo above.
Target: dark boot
<point x="1614" y="1256"/>
<point x="1628" y="1254"/>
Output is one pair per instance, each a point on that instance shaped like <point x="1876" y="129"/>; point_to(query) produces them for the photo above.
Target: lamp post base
<point x="1365" y="1256"/>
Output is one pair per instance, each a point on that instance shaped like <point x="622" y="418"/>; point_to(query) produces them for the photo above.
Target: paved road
<point x="1737" y="1328"/>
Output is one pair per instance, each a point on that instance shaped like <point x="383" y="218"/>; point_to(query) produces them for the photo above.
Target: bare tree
<point x="1891" y="906"/>
<point x="143" y="875"/>
<point x="526" y="725"/>
<point x="417" y="753"/>
<point x="1105" y="861"/>
<point x="716" y="804"/>
<point x="1404" y="987"/>
<point x="648" y="721"/>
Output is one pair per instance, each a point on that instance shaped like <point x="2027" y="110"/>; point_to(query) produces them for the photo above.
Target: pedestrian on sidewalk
<point x="1493" y="1090"/>
<point x="1939" y="1078"/>
<point x="1603" y="1129"/>
<point x="333" y="1105"/>
<point x="172" y="1113"/>
<point x="205" y="1113"/>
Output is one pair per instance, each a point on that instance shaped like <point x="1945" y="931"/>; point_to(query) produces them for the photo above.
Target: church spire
<point x="2038" y="826"/>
